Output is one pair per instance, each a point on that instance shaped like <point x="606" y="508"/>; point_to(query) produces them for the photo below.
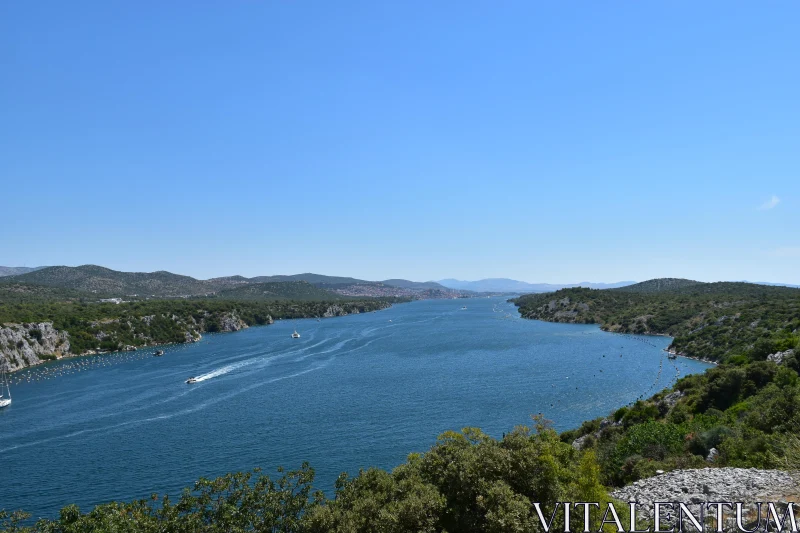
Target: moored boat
<point x="5" y="397"/>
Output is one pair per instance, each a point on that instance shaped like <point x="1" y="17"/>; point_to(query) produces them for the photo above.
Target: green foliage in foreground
<point x="747" y="409"/>
<point x="749" y="413"/>
<point x="710" y="320"/>
<point x="468" y="482"/>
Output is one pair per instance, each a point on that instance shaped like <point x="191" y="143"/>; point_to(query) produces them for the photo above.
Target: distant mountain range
<point x="105" y="282"/>
<point x="512" y="285"/>
<point x="14" y="271"/>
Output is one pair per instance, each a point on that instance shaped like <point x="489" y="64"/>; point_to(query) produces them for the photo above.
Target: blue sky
<point x="542" y="141"/>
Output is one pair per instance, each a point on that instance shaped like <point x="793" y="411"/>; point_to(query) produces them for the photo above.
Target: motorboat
<point x="158" y="353"/>
<point x="191" y="380"/>
<point x="295" y="335"/>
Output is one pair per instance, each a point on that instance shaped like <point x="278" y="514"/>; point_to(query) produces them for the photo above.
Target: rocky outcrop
<point x="669" y="401"/>
<point x="334" y="310"/>
<point x="231" y="322"/>
<point x="28" y="344"/>
<point x="580" y="442"/>
<point x="23" y="345"/>
<point x="746" y="485"/>
<point x="778" y="357"/>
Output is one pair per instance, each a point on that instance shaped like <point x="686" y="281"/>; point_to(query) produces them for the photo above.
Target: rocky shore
<point x="693" y="487"/>
<point x="29" y="344"/>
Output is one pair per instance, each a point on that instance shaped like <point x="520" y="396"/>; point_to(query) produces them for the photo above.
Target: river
<point x="351" y="392"/>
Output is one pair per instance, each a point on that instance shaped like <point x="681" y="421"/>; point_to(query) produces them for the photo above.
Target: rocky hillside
<point x="15" y="271"/>
<point x="289" y="290"/>
<point x="13" y="292"/>
<point x="708" y="320"/>
<point x="29" y="344"/>
<point x="30" y="334"/>
<point x="661" y="285"/>
<point x="104" y="281"/>
<point x="91" y="281"/>
<point x="694" y="486"/>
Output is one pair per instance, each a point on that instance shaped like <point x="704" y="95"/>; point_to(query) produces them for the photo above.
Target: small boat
<point x="295" y="335"/>
<point x="463" y="308"/>
<point x="158" y="353"/>
<point x="5" y="398"/>
<point x="191" y="380"/>
<point x="672" y="356"/>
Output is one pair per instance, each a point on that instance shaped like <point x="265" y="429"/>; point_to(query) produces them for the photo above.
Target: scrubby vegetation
<point x="108" y="326"/>
<point x="746" y="410"/>
<point x="715" y="321"/>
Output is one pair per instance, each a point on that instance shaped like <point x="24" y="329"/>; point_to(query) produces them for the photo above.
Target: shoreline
<point x="648" y="334"/>
<point x="91" y="353"/>
<point x="692" y="357"/>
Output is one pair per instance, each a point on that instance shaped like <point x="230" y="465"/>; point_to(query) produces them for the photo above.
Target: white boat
<point x="464" y="308"/>
<point x="295" y="335"/>
<point x="5" y="398"/>
<point x="191" y="380"/>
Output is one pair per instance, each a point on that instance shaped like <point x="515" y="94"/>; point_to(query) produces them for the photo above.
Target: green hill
<point x="315" y="279"/>
<point x="14" y="292"/>
<point x="709" y="320"/>
<point x="288" y="290"/>
<point x="661" y="285"/>
<point x="406" y="284"/>
<point x="101" y="280"/>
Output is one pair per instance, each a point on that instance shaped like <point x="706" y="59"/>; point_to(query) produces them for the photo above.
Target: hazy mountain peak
<point x="15" y="271"/>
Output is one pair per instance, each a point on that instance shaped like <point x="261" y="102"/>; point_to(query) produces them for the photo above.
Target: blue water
<point x="352" y="392"/>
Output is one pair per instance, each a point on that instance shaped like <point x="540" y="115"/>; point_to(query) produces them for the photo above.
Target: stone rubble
<point x="695" y="486"/>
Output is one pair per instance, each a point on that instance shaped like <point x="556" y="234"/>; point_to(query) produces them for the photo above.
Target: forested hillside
<point x="714" y="321"/>
<point x="289" y="290"/>
<point x="743" y="413"/>
<point x="100" y="282"/>
<point x="34" y="332"/>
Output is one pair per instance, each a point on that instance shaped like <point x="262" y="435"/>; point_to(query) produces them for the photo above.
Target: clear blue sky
<point x="542" y="141"/>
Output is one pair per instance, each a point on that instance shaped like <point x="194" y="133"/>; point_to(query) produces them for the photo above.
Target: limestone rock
<point x="334" y="310"/>
<point x="231" y="322"/>
<point x="22" y="344"/>
<point x="778" y="357"/>
<point x="671" y="399"/>
<point x="747" y="485"/>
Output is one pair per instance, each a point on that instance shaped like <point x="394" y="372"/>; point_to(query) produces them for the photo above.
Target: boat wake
<point x="220" y="371"/>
